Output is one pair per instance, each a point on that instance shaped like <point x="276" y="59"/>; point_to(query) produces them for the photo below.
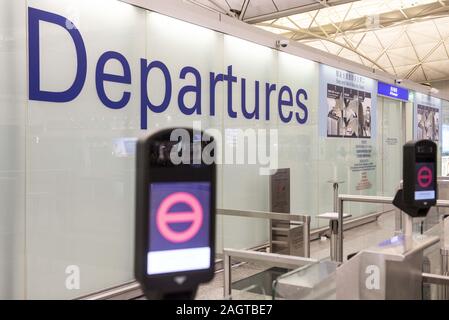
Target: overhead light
<point x="434" y="90"/>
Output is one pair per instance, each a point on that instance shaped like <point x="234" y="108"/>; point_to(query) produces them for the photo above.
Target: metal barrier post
<point x="291" y="218"/>
<point x="273" y="259"/>
<point x="366" y="199"/>
<point x="333" y="225"/>
<point x="333" y="239"/>
<point x="407" y="225"/>
<point x="398" y="221"/>
<point x="340" y="231"/>
<point x="335" y="185"/>
<point x="443" y="290"/>
<point x="306" y="237"/>
<point x="227" y="287"/>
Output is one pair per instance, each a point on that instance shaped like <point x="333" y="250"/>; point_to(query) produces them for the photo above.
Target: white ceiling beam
<point x="204" y="6"/>
<point x="326" y="39"/>
<point x="346" y="15"/>
<point x="244" y="9"/>
<point x="385" y="49"/>
<point x="182" y="10"/>
<point x="441" y="38"/>
<point x="293" y="11"/>
<point x="314" y="18"/>
<point x="413" y="70"/>
<point x="415" y="14"/>
<point x="215" y="3"/>
<point x="419" y="64"/>
<point x="404" y="14"/>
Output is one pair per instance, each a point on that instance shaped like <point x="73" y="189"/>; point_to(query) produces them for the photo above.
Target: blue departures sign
<point x="291" y="103"/>
<point x="390" y="91"/>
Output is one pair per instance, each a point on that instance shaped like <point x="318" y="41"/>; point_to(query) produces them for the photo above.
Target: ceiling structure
<point x="406" y="38"/>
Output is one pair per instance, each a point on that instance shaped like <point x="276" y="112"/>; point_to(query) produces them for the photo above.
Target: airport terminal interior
<point x="224" y="149"/>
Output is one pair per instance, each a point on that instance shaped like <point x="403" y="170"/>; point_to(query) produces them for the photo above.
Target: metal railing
<point x="366" y="199"/>
<point x="276" y="260"/>
<point x="131" y="290"/>
<point x="127" y="291"/>
<point x="435" y="279"/>
<point x="298" y="219"/>
<point x="443" y="193"/>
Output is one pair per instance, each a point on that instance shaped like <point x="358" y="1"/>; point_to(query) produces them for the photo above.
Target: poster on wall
<point x="445" y="139"/>
<point x="347" y="104"/>
<point x="428" y="123"/>
<point x="445" y="150"/>
<point x="348" y="110"/>
<point x="427" y="117"/>
<point x="445" y="166"/>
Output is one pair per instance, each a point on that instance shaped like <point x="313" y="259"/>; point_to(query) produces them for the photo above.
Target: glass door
<point x="393" y="138"/>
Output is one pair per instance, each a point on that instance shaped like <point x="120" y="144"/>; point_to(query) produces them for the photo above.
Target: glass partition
<point x="391" y="139"/>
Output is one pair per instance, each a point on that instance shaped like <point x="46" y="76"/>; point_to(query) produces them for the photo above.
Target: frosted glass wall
<point x="12" y="148"/>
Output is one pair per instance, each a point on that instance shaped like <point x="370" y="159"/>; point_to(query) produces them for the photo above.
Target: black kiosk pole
<point x="175" y="213"/>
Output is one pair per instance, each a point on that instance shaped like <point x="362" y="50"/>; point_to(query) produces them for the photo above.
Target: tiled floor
<point x="355" y="240"/>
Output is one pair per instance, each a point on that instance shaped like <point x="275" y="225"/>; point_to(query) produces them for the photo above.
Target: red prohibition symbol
<point x="164" y="218"/>
<point x="425" y="177"/>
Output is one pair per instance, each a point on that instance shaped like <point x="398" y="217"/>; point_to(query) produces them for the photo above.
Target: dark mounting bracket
<point x="412" y="211"/>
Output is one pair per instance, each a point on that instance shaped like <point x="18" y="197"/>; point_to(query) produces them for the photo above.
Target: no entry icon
<point x="165" y="218"/>
<point x="425" y="177"/>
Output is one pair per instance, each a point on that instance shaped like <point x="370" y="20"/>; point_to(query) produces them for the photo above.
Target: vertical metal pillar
<point x="333" y="226"/>
<point x="443" y="290"/>
<point x="227" y="285"/>
<point x="407" y="225"/>
<point x="340" y="231"/>
<point x="335" y="186"/>
<point x="306" y="237"/>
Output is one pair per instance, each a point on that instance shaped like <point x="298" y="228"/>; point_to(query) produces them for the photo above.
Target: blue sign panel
<point x="388" y="90"/>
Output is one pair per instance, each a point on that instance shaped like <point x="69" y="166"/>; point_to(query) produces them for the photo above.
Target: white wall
<point x="80" y="204"/>
<point x="13" y="115"/>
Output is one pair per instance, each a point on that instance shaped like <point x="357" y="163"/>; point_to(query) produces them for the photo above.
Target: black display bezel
<point x="426" y="153"/>
<point x="415" y="152"/>
<point x="147" y="172"/>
